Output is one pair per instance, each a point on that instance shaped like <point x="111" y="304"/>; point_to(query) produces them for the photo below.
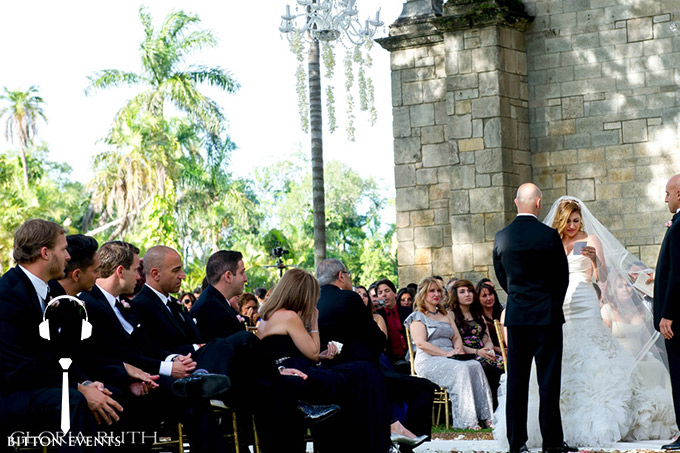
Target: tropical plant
<point x="21" y="117"/>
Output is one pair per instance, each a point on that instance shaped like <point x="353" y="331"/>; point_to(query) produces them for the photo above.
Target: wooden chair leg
<point x="236" y="444"/>
<point x="256" y="441"/>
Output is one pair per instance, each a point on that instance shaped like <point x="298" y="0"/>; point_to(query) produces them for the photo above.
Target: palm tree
<point x="21" y="120"/>
<point x="147" y="143"/>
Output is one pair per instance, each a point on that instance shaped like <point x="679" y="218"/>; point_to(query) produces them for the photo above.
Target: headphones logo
<point x="85" y="333"/>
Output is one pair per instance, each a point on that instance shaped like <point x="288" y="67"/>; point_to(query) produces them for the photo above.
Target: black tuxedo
<point x="164" y="329"/>
<point x="532" y="268"/>
<point x="30" y="375"/>
<point x="214" y="315"/>
<point x="667" y="301"/>
<point x="110" y="339"/>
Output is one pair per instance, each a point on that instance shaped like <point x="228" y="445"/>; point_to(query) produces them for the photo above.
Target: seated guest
<point x="31" y="376"/>
<point x="290" y="333"/>
<point x="344" y="318"/>
<point x="492" y="310"/>
<point x="188" y="300"/>
<point x="435" y="334"/>
<point x="394" y="316"/>
<point x="469" y="316"/>
<point x="214" y="314"/>
<point x="248" y="306"/>
<point x="360" y="290"/>
<point x="405" y="297"/>
<point x="260" y="293"/>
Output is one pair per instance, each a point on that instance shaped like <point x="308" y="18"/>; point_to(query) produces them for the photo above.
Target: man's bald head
<point x="673" y="193"/>
<point x="528" y="200"/>
<point x="155" y="257"/>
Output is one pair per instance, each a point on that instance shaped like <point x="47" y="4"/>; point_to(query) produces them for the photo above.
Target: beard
<point x="57" y="270"/>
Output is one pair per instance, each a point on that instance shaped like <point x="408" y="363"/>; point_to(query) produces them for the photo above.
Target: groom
<point x="667" y="294"/>
<point x="532" y="268"/>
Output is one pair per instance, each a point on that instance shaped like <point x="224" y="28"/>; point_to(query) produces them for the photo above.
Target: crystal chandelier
<point x="325" y="20"/>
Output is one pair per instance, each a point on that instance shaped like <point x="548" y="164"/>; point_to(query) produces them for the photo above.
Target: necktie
<point x="176" y="312"/>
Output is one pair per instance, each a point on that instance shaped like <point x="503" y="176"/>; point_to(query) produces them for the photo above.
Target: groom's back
<point x="532" y="268"/>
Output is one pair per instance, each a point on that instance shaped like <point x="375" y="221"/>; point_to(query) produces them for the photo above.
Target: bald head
<point x="673" y="193"/>
<point x="528" y="199"/>
<point x="155" y="257"/>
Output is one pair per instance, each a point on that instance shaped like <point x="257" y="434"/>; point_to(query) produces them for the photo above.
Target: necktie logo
<point x="65" y="325"/>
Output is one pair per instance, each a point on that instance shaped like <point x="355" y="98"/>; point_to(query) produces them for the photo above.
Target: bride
<point x="605" y="395"/>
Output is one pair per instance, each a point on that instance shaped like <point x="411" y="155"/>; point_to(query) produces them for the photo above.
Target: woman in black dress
<point x="290" y="332"/>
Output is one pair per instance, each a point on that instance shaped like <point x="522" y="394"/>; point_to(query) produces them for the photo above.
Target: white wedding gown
<point x="604" y="397"/>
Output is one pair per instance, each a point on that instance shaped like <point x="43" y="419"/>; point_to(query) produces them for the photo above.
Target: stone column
<point x="460" y="106"/>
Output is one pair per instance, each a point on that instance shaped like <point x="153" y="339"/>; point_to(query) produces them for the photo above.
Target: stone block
<point x="460" y="126"/>
<point x="463" y="107"/>
<point x="430" y="236"/>
<point x="436" y="155"/>
<point x="431" y="134"/>
<point x="588" y="71"/>
<point x="401" y="122"/>
<point x="466" y="229"/>
<point x="422" y="218"/>
<point x="614" y="153"/>
<point x="485" y="59"/>
<point x="461" y="257"/>
<point x="442" y="261"/>
<point x="404" y="175"/>
<point x="424" y="73"/>
<point x="439" y="192"/>
<point x="440" y="115"/>
<point x="403" y="219"/>
<point x="544" y="61"/>
<point x="488" y="83"/>
<point x="413" y="274"/>
<point x="616" y="36"/>
<point x="559" y="44"/>
<point x="462" y="82"/>
<point x="477" y="128"/>
<point x="404" y="234"/>
<point x="396" y="89"/>
<point x="423" y="256"/>
<point x="492" y="132"/>
<point x="402" y="59"/>
<point x="433" y="90"/>
<point x="483" y="181"/>
<point x="621" y="175"/>
<point x="572" y="107"/>
<point x="605" y="138"/>
<point x="460" y="200"/>
<point x="581" y="188"/>
<point x="412" y="93"/>
<point x="585" y="40"/>
<point x="482" y="254"/>
<point x="441" y="216"/>
<point x="411" y="198"/>
<point x="443" y="174"/>
<point x="489" y="160"/>
<point x="463" y="176"/>
<point x="471" y="93"/>
<point x="426" y="176"/>
<point x="639" y="29"/>
<point x="577" y="141"/>
<point x="406" y="254"/>
<point x="407" y="150"/>
<point x="567" y="157"/>
<point x="422" y="115"/>
<point x="487" y="107"/>
<point x="487" y="199"/>
<point x="591" y="155"/>
<point x="562" y="127"/>
<point x="634" y="131"/>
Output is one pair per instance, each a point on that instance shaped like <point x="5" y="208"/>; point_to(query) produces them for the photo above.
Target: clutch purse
<point x="463" y="356"/>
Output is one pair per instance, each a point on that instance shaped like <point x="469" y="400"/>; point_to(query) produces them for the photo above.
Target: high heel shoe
<point x="411" y="442"/>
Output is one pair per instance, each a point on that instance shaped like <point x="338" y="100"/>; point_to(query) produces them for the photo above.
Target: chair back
<point x="411" y="355"/>
<point x="501" y="341"/>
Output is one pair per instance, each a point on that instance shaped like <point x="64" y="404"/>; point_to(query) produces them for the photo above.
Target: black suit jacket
<point x="215" y="317"/>
<point x="26" y="359"/>
<point x="161" y="325"/>
<point x="403" y="314"/>
<point x="667" y="277"/>
<point x="110" y="339"/>
<point x="532" y="268"/>
<point x="343" y="317"/>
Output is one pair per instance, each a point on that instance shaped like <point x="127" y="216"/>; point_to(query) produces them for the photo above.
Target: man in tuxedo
<point x="214" y="314"/>
<point x="395" y="315"/>
<point x="532" y="268"/>
<point x="343" y="317"/>
<point x="29" y="370"/>
<point x="667" y="294"/>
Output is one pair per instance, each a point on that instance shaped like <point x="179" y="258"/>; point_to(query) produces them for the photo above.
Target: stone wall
<point x="583" y="100"/>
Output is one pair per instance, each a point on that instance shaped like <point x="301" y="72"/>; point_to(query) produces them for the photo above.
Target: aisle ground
<point x="492" y="446"/>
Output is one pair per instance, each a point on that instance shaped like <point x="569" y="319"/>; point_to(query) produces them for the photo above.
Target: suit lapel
<point x="164" y="310"/>
<point x="101" y="299"/>
<point x="35" y="299"/>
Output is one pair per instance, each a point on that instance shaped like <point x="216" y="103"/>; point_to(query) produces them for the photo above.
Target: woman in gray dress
<point x="437" y="339"/>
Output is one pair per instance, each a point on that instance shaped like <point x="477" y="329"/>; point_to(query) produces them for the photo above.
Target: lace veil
<point x="625" y="309"/>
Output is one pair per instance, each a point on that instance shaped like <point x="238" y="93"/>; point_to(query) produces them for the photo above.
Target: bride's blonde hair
<point x="565" y="209"/>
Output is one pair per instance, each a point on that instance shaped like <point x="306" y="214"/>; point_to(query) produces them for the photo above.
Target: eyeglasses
<point x="349" y="274"/>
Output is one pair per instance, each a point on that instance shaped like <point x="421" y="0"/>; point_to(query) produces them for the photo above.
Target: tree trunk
<point x="24" y="164"/>
<point x="318" y="197"/>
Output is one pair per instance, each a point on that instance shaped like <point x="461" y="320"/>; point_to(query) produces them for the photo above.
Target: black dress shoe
<point x="673" y="446"/>
<point x="522" y="449"/>
<point x="564" y="448"/>
<point x="315" y="413"/>
<point x="201" y="385"/>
